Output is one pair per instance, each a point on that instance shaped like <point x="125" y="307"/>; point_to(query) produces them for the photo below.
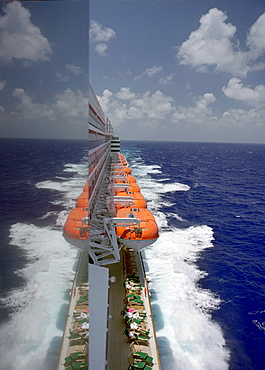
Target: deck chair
<point x="141" y="355"/>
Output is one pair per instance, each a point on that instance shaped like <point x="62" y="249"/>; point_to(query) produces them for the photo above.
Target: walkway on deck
<point x="119" y="350"/>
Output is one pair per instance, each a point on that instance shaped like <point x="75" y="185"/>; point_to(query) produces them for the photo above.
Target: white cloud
<point x="167" y="80"/>
<point x="61" y="78"/>
<point x="214" y="44"/>
<point x="100" y="35"/>
<point x="243" y="119"/>
<point x="198" y="114"/>
<point x="30" y="110"/>
<point x="68" y="104"/>
<point x="150" y="72"/>
<point x="19" y="38"/>
<point x="72" y="104"/>
<point x="236" y="90"/>
<point x="135" y="106"/>
<point x="101" y="49"/>
<point x="74" y="69"/>
<point x="155" y="106"/>
<point x="256" y="38"/>
<point x="2" y="84"/>
<point x="125" y="94"/>
<point x="156" y="112"/>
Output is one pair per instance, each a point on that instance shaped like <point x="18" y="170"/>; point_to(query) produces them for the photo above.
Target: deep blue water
<point x="196" y="190"/>
<point x="24" y="163"/>
<point x="227" y="193"/>
<point x="40" y="181"/>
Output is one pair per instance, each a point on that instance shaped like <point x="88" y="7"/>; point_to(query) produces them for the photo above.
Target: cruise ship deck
<point x="113" y="300"/>
<point x="121" y="350"/>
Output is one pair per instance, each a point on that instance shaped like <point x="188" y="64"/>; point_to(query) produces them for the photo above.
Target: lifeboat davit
<point x="138" y="198"/>
<point x="75" y="229"/>
<point x="116" y="188"/>
<point x="133" y="186"/>
<point x="139" y="236"/>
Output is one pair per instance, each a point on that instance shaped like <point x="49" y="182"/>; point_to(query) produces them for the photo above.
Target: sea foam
<point x="188" y="338"/>
<point x="40" y="305"/>
<point x="31" y="338"/>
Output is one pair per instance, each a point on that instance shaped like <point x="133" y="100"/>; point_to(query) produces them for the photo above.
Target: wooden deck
<point x="120" y="349"/>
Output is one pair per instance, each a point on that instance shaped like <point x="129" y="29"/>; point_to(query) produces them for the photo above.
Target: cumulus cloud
<point x="74" y="69"/>
<point x="214" y="44"/>
<point x="241" y="118"/>
<point x="253" y="97"/>
<point x="125" y="94"/>
<point x="19" y="38"/>
<point x="72" y="104"/>
<point x="150" y="72"/>
<point x="155" y="112"/>
<point x="101" y="49"/>
<point x="128" y="105"/>
<point x="68" y="104"/>
<point x="100" y="35"/>
<point x="255" y="39"/>
<point x="197" y="114"/>
<point x="31" y="110"/>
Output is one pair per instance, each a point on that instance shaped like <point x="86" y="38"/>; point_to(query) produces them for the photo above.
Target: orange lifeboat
<point x="123" y="169"/>
<point x="138" y="198"/>
<point x="138" y="236"/>
<point x="124" y="179"/>
<point x="82" y="200"/>
<point x="85" y="188"/>
<point x="131" y="178"/>
<point x="134" y="187"/>
<point x="75" y="229"/>
<point x="118" y="187"/>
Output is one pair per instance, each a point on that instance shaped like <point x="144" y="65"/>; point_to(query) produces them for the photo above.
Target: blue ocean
<point x="205" y="272"/>
<point x="40" y="182"/>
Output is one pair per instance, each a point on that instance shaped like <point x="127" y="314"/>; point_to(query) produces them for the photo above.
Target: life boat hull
<point x="138" y="199"/>
<point x="125" y="178"/>
<point x="82" y="200"/>
<point x="75" y="230"/>
<point x="122" y="168"/>
<point x="81" y="244"/>
<point x="133" y="186"/>
<point x="137" y="245"/>
<point x="139" y="236"/>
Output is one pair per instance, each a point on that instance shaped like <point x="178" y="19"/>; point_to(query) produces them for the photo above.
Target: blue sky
<point x="44" y="69"/>
<point x="190" y="70"/>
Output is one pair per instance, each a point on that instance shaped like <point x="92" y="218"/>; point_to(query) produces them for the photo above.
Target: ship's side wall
<point x="100" y="134"/>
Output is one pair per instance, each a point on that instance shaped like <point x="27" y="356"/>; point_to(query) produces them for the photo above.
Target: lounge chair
<point x="141" y="355"/>
<point x="77" y="355"/>
<point x="138" y="365"/>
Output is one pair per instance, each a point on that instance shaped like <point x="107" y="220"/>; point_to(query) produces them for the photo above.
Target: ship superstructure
<point x="109" y="225"/>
